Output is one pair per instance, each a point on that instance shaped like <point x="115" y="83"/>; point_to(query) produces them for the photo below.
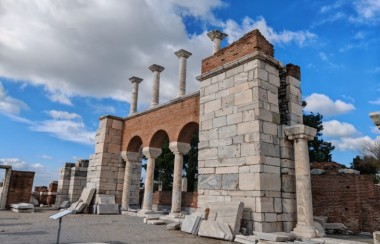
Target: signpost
<point x="59" y="216"/>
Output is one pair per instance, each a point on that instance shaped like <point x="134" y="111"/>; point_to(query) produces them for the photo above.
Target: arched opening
<point x="158" y="139"/>
<point x="134" y="144"/>
<point x="187" y="132"/>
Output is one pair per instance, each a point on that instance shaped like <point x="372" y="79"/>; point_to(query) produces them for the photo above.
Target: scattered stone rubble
<point x="84" y="200"/>
<point x="22" y="208"/>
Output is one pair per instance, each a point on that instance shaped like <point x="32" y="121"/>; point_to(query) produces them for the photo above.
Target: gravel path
<point x="83" y="228"/>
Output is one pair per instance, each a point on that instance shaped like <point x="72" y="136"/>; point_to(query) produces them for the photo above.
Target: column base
<point x="175" y="215"/>
<point x="305" y="231"/>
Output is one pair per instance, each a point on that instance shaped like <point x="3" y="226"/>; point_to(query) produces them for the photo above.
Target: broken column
<point x="301" y="134"/>
<point x="130" y="159"/>
<point x="156" y="69"/>
<point x="182" y="55"/>
<point x="4" y="195"/>
<point x="179" y="149"/>
<point x="216" y="37"/>
<point x="151" y="153"/>
<point x="135" y="90"/>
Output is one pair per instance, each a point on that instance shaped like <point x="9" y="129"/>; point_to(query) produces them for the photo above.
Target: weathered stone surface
<point x="87" y="195"/>
<point x="191" y="224"/>
<point x="173" y="226"/>
<point x="65" y="204"/>
<point x="215" y="229"/>
<point x="156" y="222"/>
<point x="106" y="199"/>
<point x="376" y="237"/>
<point x="230" y="213"/>
<point x="246" y="239"/>
<point x="349" y="171"/>
<point x="22" y="208"/>
<point x="320" y="229"/>
<point x="107" y="209"/>
<point x="335" y="226"/>
<point x="271" y="236"/>
<point x="209" y="181"/>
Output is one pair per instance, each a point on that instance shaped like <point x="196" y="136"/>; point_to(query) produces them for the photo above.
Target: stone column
<point x="301" y="134"/>
<point x="216" y="37"/>
<point x="130" y="158"/>
<point x="135" y="90"/>
<point x="182" y="55"/>
<point x="184" y="184"/>
<point x="156" y="69"/>
<point x="151" y="153"/>
<point x="4" y="196"/>
<point x="179" y="149"/>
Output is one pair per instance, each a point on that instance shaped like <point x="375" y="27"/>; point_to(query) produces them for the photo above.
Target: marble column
<point x="216" y="37"/>
<point x="301" y="134"/>
<point x="4" y="195"/>
<point x="151" y="153"/>
<point x="156" y="69"/>
<point x="135" y="90"/>
<point x="183" y="55"/>
<point x="179" y="149"/>
<point x="184" y="184"/>
<point x="130" y="159"/>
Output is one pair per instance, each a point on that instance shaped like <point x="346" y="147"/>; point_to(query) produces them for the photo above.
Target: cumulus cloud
<point x="320" y="103"/>
<point x="91" y="48"/>
<point x="10" y="105"/>
<point x="65" y="126"/>
<point x="367" y="11"/>
<point x="18" y="164"/>
<point x="235" y="31"/>
<point x="335" y="128"/>
<point x="350" y="143"/>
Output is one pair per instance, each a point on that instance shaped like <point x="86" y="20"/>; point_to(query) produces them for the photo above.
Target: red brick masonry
<point x="349" y="199"/>
<point x="20" y="187"/>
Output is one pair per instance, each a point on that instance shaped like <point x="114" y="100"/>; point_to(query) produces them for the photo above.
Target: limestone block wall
<point x="64" y="184"/>
<point x="78" y="181"/>
<point x="105" y="164"/>
<point x="243" y="155"/>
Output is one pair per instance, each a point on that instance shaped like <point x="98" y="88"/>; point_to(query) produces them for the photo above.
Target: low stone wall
<point x="349" y="199"/>
<point x="20" y="187"/>
<point x="163" y="200"/>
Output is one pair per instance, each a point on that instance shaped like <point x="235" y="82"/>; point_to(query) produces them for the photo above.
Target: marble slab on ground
<point x="156" y="222"/>
<point x="191" y="224"/>
<point x="227" y="212"/>
<point x="376" y="237"/>
<point x="271" y="236"/>
<point x="215" y="229"/>
<point x="65" y="204"/>
<point x="106" y="199"/>
<point x="173" y="226"/>
<point x="87" y="194"/>
<point x="107" y="209"/>
<point x="245" y="239"/>
<point x="22" y="206"/>
<point x="326" y="240"/>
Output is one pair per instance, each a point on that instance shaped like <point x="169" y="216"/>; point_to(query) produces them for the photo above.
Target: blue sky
<point x="65" y="63"/>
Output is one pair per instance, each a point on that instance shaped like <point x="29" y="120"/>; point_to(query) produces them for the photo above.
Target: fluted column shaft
<point x="179" y="149"/>
<point x="151" y="153"/>
<point x="301" y="134"/>
<point x="156" y="69"/>
<point x="183" y="55"/>
<point x="135" y="90"/>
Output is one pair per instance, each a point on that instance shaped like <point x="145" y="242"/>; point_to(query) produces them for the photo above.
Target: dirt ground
<point x="84" y="228"/>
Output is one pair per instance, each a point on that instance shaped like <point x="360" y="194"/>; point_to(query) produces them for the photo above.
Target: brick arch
<point x="134" y="144"/>
<point x="158" y="139"/>
<point x="187" y="132"/>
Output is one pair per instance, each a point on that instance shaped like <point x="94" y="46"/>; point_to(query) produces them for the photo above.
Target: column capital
<point x="152" y="152"/>
<point x="156" y="67"/>
<point x="300" y="132"/>
<point x="179" y="147"/>
<point x="183" y="53"/>
<point x="375" y="118"/>
<point x="216" y="34"/>
<point x="130" y="156"/>
<point x="134" y="79"/>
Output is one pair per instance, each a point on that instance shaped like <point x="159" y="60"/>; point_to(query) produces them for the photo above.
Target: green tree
<point x="319" y="150"/>
<point x="164" y="167"/>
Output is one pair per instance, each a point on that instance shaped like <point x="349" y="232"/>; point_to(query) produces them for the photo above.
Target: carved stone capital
<point x="156" y="67"/>
<point x="183" y="53"/>
<point x="375" y="118"/>
<point x="130" y="156"/>
<point x="152" y="152"/>
<point x="179" y="147"/>
<point x="134" y="79"/>
<point x="216" y="34"/>
<point x="300" y="132"/>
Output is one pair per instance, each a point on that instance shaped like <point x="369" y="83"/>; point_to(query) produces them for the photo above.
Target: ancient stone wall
<point x="20" y="187"/>
<point x="164" y="198"/>
<point x="78" y="181"/>
<point x="349" y="199"/>
<point x="64" y="184"/>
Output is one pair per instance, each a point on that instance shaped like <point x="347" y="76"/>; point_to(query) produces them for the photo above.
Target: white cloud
<point x="376" y="102"/>
<point x="350" y="143"/>
<point x="65" y="126"/>
<point x="235" y="31"/>
<point x="320" y="103"/>
<point x="367" y="11"/>
<point x="19" y="164"/>
<point x="335" y="128"/>
<point x="47" y="157"/>
<point x="10" y="105"/>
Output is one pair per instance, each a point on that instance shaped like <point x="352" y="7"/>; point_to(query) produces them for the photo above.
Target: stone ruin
<point x="252" y="142"/>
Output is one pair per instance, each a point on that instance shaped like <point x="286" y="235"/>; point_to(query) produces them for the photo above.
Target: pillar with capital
<point x="183" y="55"/>
<point x="156" y="69"/>
<point x="130" y="159"/>
<point x="216" y="37"/>
<point x="179" y="149"/>
<point x="135" y="90"/>
<point x="301" y="134"/>
<point x="151" y="153"/>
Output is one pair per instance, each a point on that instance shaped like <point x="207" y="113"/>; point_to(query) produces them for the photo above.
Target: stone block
<point x="210" y="181"/>
<point x="376" y="237"/>
<point x="271" y="236"/>
<point x="216" y="230"/>
<point x="106" y="199"/>
<point x="230" y="213"/>
<point x="246" y="239"/>
<point x="64" y="204"/>
<point x="230" y="181"/>
<point x="212" y="106"/>
<point x="107" y="209"/>
<point x="191" y="224"/>
<point x="87" y="195"/>
<point x="264" y="205"/>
